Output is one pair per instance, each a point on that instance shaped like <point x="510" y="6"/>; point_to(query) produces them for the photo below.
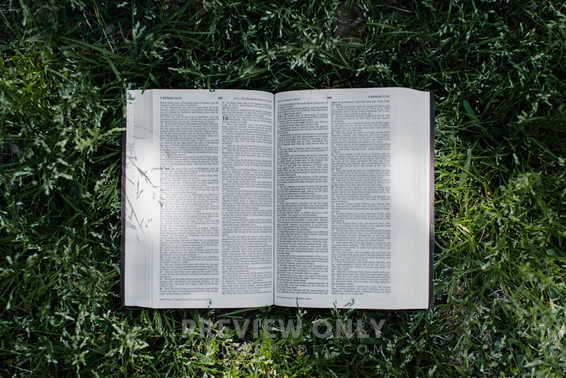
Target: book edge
<point x="123" y="203"/>
<point x="431" y="204"/>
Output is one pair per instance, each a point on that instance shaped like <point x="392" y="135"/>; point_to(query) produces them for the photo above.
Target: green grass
<point x="498" y="73"/>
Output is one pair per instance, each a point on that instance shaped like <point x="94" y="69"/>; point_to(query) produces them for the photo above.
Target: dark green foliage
<point x="498" y="72"/>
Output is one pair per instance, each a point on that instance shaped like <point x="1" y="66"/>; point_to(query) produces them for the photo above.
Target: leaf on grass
<point x="466" y="169"/>
<point x="470" y="111"/>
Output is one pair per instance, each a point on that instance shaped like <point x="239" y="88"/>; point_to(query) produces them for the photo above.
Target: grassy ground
<point x="498" y="72"/>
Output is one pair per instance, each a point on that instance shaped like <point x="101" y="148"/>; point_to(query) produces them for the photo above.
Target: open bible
<point x="242" y="198"/>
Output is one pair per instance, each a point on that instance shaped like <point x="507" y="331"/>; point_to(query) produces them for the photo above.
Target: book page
<point x="353" y="198"/>
<point x="201" y="184"/>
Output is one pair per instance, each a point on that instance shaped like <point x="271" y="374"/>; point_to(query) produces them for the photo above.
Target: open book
<point x="242" y="198"/>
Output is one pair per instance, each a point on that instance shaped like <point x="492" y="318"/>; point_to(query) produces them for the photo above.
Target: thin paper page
<point x="347" y="190"/>
<point x="212" y="200"/>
